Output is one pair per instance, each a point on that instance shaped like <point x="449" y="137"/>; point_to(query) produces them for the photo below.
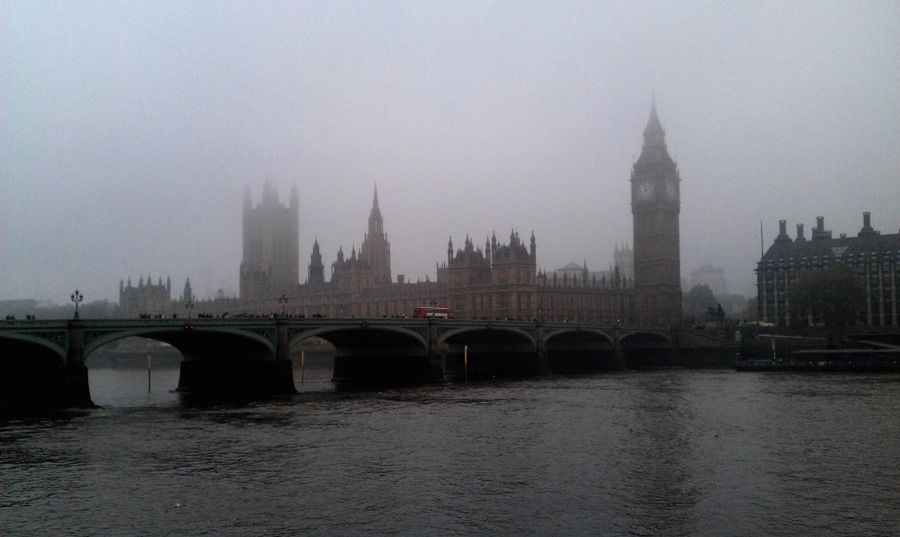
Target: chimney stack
<point x="782" y="233"/>
<point x="820" y="232"/>
<point x="800" y="236"/>
<point x="867" y="230"/>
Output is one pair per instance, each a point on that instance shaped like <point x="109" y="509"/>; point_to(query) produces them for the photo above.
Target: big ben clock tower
<point x="655" y="206"/>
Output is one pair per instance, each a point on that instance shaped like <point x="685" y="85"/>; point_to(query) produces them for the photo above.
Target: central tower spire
<point x="376" y="223"/>
<point x="376" y="250"/>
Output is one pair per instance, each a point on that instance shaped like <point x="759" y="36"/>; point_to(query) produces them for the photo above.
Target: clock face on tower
<point x="645" y="190"/>
<point x="671" y="189"/>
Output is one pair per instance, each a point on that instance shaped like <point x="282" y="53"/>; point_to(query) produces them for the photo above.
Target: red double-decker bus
<point x="432" y="312"/>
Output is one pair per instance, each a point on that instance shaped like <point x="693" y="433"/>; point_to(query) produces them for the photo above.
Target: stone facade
<point x="145" y="298"/>
<point x="500" y="281"/>
<point x="149" y="299"/>
<point x="875" y="257"/>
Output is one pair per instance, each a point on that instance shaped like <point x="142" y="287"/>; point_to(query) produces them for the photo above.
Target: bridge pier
<point x="232" y="367"/>
<point x="619" y="360"/>
<point x="543" y="359"/>
<point x="437" y="360"/>
<point x="76" y="390"/>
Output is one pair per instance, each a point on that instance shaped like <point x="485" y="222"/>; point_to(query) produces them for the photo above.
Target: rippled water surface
<point x="666" y="452"/>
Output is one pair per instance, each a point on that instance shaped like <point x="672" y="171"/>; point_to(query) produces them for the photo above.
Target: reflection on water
<point x="628" y="453"/>
<point x="661" y="420"/>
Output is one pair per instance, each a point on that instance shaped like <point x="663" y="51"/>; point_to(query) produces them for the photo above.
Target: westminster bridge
<point x="45" y="361"/>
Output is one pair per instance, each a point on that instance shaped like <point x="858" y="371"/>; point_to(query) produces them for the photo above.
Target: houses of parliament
<point x="494" y="279"/>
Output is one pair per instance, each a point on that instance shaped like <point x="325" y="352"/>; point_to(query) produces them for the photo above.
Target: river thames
<point x="664" y="452"/>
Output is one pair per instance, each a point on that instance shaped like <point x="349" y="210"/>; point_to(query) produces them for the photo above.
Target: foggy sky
<point x="129" y="130"/>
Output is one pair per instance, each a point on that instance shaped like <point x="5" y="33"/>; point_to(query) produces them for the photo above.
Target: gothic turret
<point x="316" y="274"/>
<point x="188" y="294"/>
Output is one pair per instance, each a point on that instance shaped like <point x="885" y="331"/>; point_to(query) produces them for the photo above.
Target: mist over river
<point x="662" y="452"/>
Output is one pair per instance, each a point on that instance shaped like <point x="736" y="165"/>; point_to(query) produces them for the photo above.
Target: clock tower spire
<point x="655" y="204"/>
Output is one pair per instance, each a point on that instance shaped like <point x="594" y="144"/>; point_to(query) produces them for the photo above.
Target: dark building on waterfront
<point x="873" y="255"/>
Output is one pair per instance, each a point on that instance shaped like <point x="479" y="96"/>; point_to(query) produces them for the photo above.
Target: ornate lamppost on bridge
<point x="189" y="305"/>
<point x="282" y="300"/>
<point x="77" y="298"/>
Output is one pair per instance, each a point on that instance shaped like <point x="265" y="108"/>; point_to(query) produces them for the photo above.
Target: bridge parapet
<point x="280" y="334"/>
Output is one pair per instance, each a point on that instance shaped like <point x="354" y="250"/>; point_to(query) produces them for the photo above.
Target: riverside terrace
<point x="43" y="362"/>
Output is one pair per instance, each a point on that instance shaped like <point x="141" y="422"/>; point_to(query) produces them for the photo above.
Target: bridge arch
<point x="644" y="337"/>
<point x="458" y="333"/>
<point x="216" y="359"/>
<point x="32" y="372"/>
<point x="487" y="350"/>
<point x="645" y="348"/>
<point x="13" y="343"/>
<point x="592" y="333"/>
<point x="374" y="353"/>
<point x="345" y="335"/>
<point x="196" y="342"/>
<point x="576" y="350"/>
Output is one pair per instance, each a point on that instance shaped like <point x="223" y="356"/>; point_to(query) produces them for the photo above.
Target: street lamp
<point x="282" y="300"/>
<point x="77" y="298"/>
<point x="189" y="305"/>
